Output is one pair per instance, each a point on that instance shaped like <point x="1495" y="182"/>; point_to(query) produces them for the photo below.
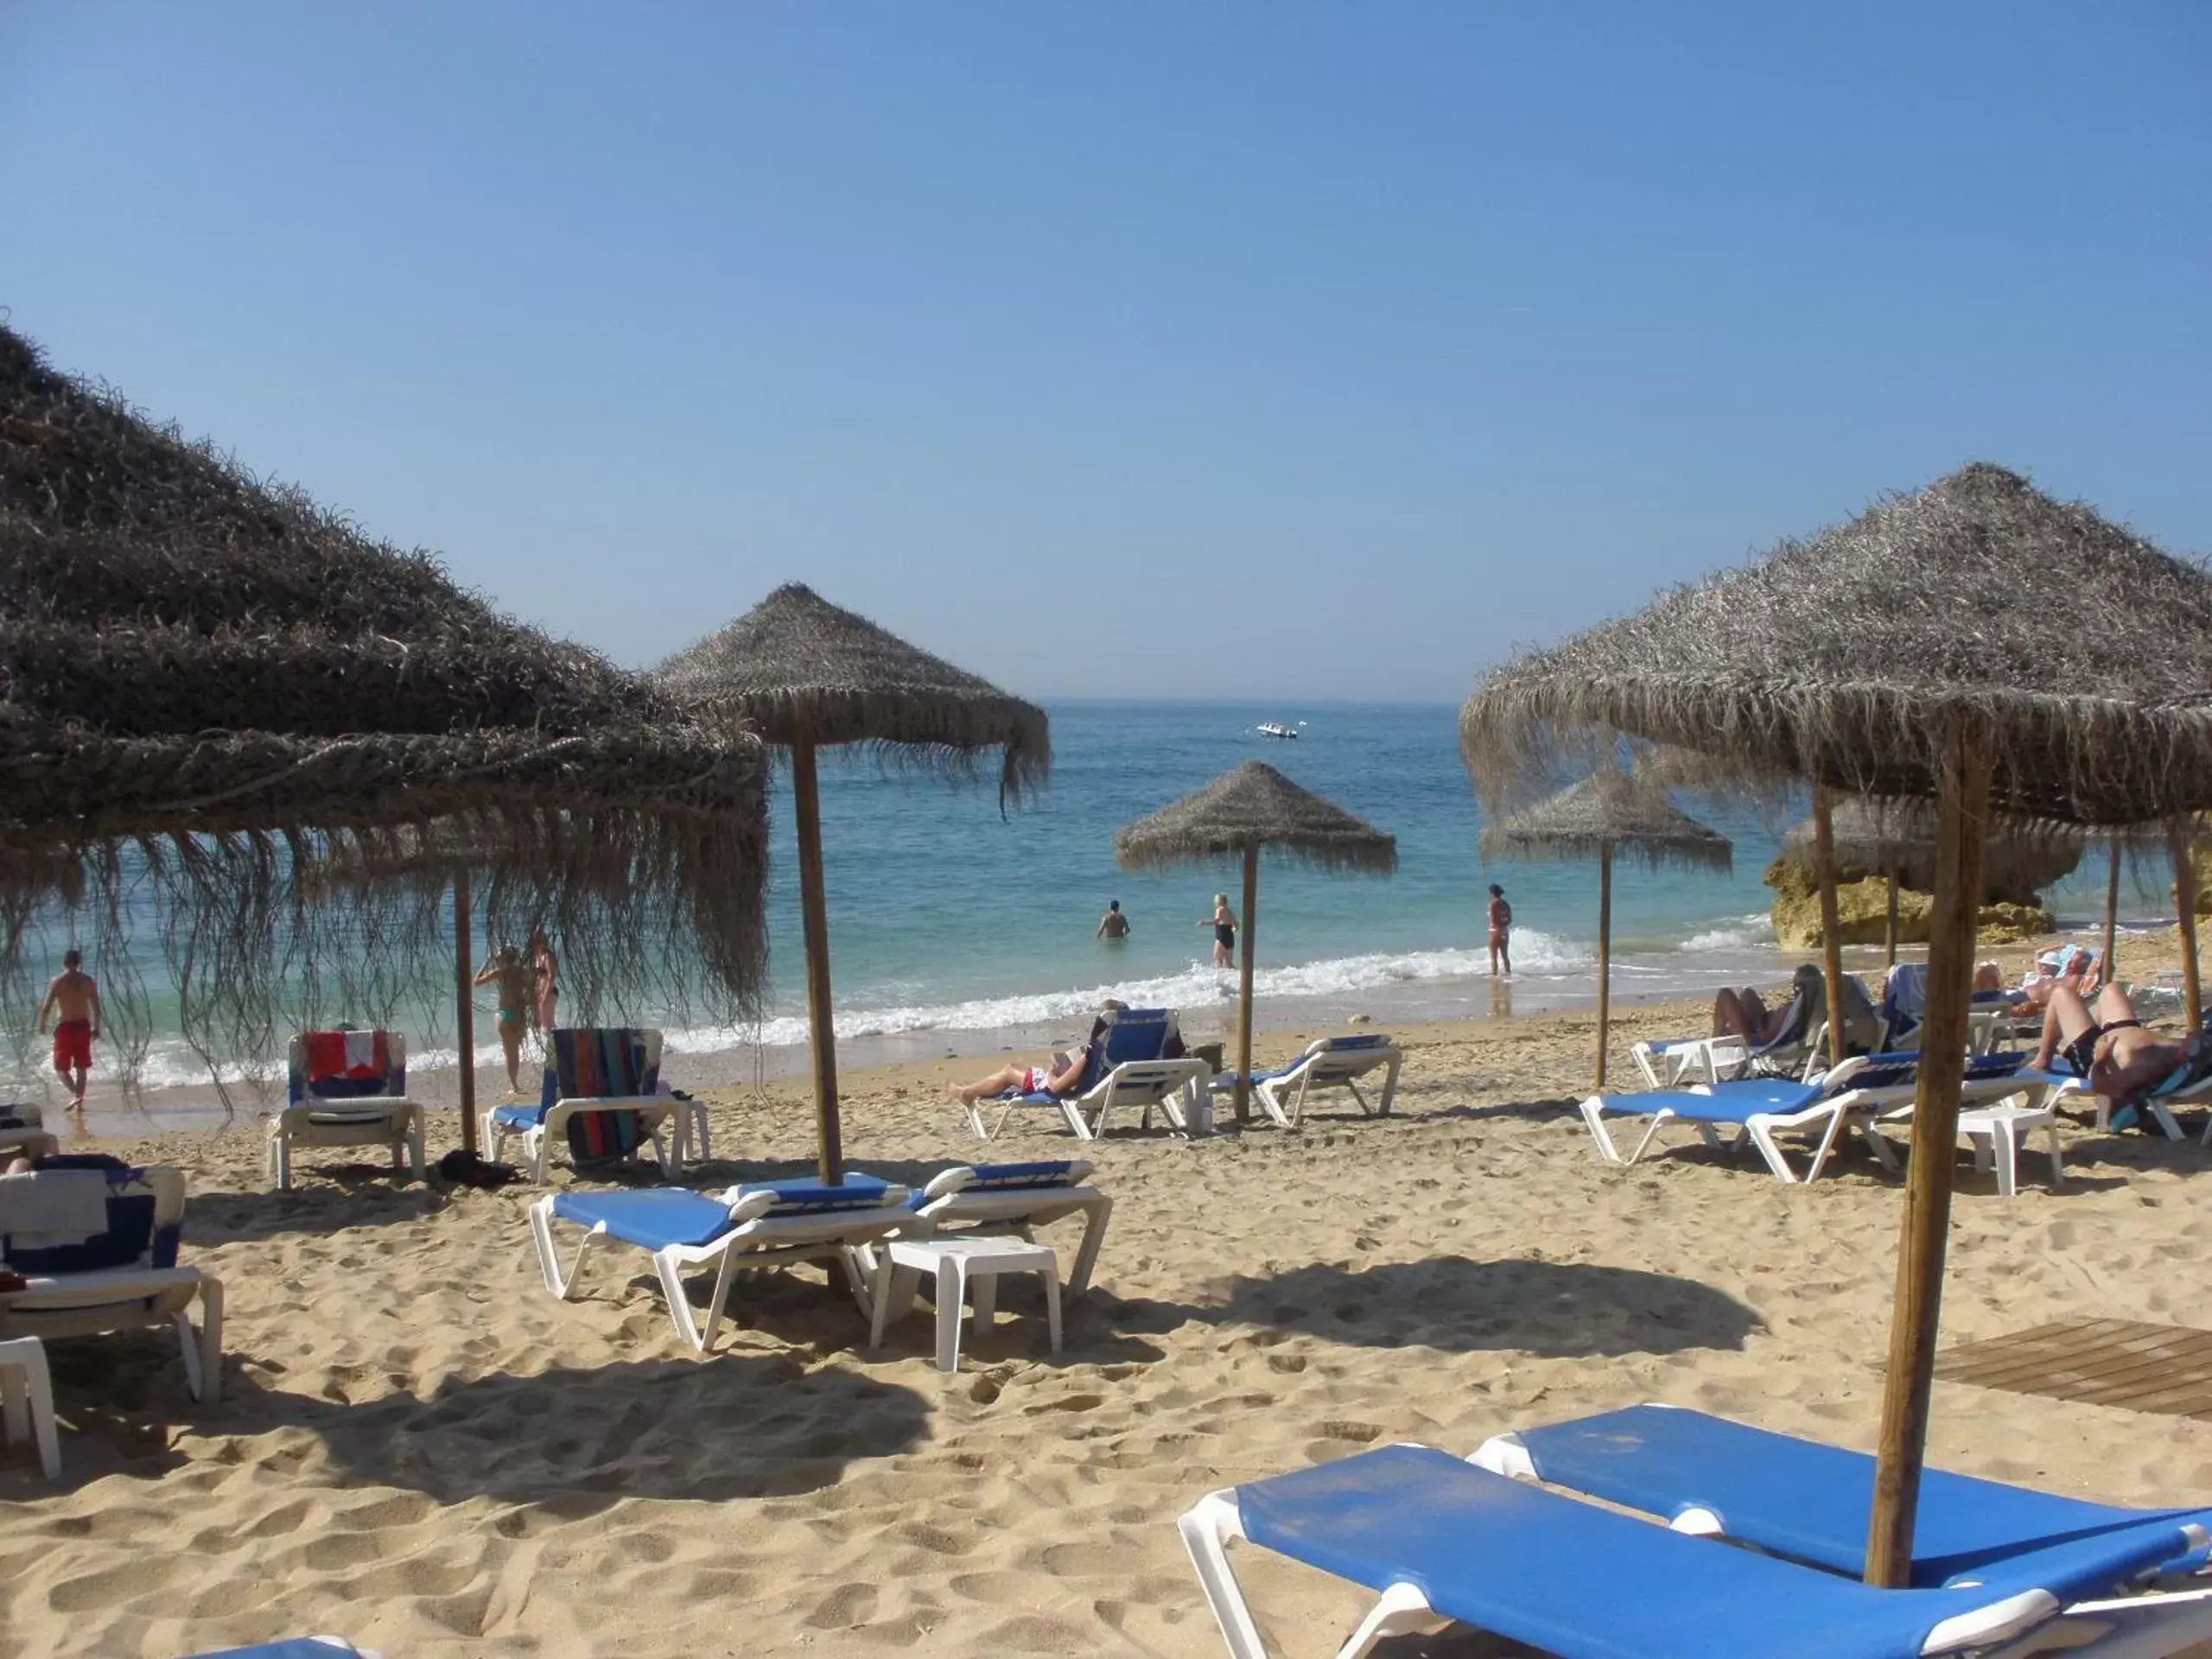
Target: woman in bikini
<point x="1223" y="923"/>
<point x="2123" y="1062"/>
<point x="544" y="986"/>
<point x="504" y="970"/>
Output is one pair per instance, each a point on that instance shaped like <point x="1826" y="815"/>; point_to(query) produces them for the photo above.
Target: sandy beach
<point x="419" y="1449"/>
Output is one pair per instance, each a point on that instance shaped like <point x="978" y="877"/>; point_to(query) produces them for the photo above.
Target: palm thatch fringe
<point x="1848" y="658"/>
<point x="795" y="667"/>
<point x="1254" y="805"/>
<point x="1632" y="816"/>
<point x="208" y="685"/>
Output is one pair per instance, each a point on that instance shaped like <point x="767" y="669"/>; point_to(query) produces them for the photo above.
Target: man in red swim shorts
<point x="73" y="1002"/>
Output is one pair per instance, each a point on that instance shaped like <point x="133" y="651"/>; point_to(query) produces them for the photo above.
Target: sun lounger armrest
<point x="946" y="1182"/>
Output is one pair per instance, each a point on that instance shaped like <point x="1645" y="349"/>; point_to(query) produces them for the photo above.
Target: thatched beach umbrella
<point x="1235" y="816"/>
<point x="1913" y="652"/>
<point x="207" y="684"/>
<point x="1607" y="812"/>
<point x="806" y="675"/>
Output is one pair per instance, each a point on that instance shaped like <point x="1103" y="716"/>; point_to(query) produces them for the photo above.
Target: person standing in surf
<point x="1501" y="933"/>
<point x="1113" y="925"/>
<point x="1223" y="923"/>
<point x="73" y="1002"/>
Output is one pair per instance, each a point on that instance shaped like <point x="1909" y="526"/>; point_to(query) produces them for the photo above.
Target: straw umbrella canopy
<point x="207" y="683"/>
<point x="1608" y="812"/>
<point x="805" y="675"/>
<point x="1234" y="816"/>
<point x="1976" y="642"/>
<point x="1896" y="840"/>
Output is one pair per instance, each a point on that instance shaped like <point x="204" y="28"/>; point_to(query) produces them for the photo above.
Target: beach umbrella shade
<point x="806" y="675"/>
<point x="208" y="683"/>
<point x="1976" y="642"/>
<point x="1235" y="816"/>
<point x="1606" y="813"/>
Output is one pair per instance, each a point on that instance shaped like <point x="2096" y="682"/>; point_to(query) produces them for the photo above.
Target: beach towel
<point x="601" y="1063"/>
<point x="347" y="1065"/>
<point x="47" y="1209"/>
<point x="126" y="1236"/>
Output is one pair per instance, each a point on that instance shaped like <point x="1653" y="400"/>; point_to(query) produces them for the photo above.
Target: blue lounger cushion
<point x="1810" y="1501"/>
<point x="664" y="1216"/>
<point x="298" y="1647"/>
<point x="519" y="1117"/>
<point x="1523" y="1562"/>
<point x="1042" y="1175"/>
<point x="1719" y="1106"/>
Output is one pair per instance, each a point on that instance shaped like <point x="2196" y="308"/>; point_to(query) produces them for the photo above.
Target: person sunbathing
<point x="1059" y="1076"/>
<point x="2123" y="1063"/>
<point x="1744" y="1013"/>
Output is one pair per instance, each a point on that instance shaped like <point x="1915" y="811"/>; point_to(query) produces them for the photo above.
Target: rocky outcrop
<point x="1861" y="911"/>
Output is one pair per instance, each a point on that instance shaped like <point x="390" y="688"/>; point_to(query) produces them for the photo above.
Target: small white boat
<point x="1276" y="728"/>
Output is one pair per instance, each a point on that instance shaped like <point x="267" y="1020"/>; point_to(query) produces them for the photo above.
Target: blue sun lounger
<point x="760" y="1225"/>
<point x="1013" y="1198"/>
<point x="1327" y="1063"/>
<point x="1848" y="1096"/>
<point x="1129" y="1067"/>
<point x="298" y="1647"/>
<point x="1442" y="1541"/>
<point x="1810" y="1503"/>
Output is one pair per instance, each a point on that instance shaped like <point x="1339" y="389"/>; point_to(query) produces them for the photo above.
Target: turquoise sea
<point x="955" y="929"/>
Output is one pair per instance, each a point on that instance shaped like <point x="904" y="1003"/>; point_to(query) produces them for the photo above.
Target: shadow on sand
<point x="1555" y="1309"/>
<point x="571" y="1440"/>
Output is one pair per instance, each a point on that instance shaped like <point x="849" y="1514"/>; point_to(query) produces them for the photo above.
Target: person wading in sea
<point x="1501" y="933"/>
<point x="72" y="1000"/>
<point x="1113" y="925"/>
<point x="1223" y="923"/>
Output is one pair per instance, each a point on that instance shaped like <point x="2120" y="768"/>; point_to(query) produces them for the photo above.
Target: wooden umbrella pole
<point x="464" y="982"/>
<point x="1889" y="928"/>
<point x="2112" y="917"/>
<point x="2178" y="837"/>
<point x="1244" y="985"/>
<point x="814" y="917"/>
<point x="1962" y="807"/>
<point x="1604" y="950"/>
<point x="1831" y="945"/>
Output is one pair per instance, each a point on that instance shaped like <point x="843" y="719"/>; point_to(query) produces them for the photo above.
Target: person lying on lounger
<point x="1744" y="1013"/>
<point x="2107" y="1045"/>
<point x="1060" y="1075"/>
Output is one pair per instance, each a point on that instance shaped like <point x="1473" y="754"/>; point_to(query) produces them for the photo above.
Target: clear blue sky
<point x="1294" y="351"/>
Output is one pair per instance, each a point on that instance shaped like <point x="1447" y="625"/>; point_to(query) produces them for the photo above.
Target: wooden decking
<point x="2161" y="1368"/>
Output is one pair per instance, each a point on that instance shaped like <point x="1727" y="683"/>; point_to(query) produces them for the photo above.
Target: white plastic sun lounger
<point x="122" y="1279"/>
<point x="346" y="1110"/>
<point x="1847" y="1097"/>
<point x="1015" y="1199"/>
<point x="761" y="1225"/>
<point x="1126" y="1069"/>
<point x="1327" y="1063"/>
<point x="1440" y="1541"/>
<point x="601" y="1099"/>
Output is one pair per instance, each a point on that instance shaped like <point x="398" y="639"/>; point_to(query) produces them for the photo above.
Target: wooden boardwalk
<point x="2161" y="1368"/>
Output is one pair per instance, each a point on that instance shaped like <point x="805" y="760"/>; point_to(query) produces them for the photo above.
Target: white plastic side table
<point x="27" y="1399"/>
<point x="956" y="1264"/>
<point x="1997" y="1133"/>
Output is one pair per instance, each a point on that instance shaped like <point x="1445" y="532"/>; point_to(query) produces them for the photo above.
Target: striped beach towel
<point x="603" y="1063"/>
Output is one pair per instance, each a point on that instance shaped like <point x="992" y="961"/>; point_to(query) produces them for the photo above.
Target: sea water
<point x="955" y="929"/>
